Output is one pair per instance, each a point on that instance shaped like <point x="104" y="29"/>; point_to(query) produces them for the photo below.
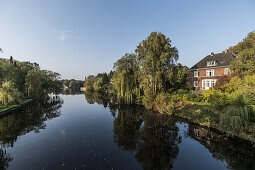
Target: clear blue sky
<point x="81" y="37"/>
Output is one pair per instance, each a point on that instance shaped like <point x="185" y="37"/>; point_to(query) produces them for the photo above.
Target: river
<point x="88" y="132"/>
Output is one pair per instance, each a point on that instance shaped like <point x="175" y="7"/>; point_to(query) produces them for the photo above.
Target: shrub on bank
<point x="236" y="119"/>
<point x="216" y="98"/>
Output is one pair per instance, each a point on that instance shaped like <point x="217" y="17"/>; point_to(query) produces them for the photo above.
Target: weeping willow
<point x="125" y="79"/>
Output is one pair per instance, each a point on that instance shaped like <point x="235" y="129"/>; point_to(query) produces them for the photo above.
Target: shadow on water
<point x="31" y="118"/>
<point x="155" y="138"/>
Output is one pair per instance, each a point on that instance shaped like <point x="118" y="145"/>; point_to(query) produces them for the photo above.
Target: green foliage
<point x="195" y="97"/>
<point x="217" y="98"/>
<point x="9" y="94"/>
<point x="40" y="82"/>
<point x="125" y="79"/>
<point x="245" y="62"/>
<point x="99" y="83"/>
<point x="241" y="91"/>
<point x="89" y="83"/>
<point x="139" y="78"/>
<point x="156" y="58"/>
<point x="235" y="118"/>
<point x="27" y="79"/>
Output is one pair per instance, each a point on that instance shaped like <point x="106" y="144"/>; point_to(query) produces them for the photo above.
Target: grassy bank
<point x="4" y="108"/>
<point x="206" y="115"/>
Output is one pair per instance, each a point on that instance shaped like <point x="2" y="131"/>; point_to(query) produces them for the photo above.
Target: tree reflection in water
<point x="30" y="118"/>
<point x="4" y="159"/>
<point x="155" y="138"/>
<point x="158" y="142"/>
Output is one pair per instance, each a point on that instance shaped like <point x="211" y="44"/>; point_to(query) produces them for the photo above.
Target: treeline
<point x="74" y="85"/>
<point x="20" y="80"/>
<point x="139" y="77"/>
<point x="102" y="82"/>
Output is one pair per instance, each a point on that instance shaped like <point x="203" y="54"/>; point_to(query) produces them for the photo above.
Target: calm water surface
<point x="87" y="132"/>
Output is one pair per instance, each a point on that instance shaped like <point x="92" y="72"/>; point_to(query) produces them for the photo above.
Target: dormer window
<point x="211" y="63"/>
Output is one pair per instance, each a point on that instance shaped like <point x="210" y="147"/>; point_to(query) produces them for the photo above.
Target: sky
<point x="77" y="38"/>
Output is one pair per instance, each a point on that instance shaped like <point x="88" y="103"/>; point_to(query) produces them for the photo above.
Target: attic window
<point x="212" y="63"/>
<point x="222" y="61"/>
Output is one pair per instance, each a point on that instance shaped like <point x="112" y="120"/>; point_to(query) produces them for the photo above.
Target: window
<point x="207" y="84"/>
<point x="195" y="83"/>
<point x="195" y="73"/>
<point x="212" y="63"/>
<point x="212" y="83"/>
<point x="227" y="71"/>
<point x="209" y="72"/>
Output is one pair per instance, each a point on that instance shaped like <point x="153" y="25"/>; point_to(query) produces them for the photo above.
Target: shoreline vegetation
<point x="9" y="108"/>
<point x="23" y="82"/>
<point x="152" y="77"/>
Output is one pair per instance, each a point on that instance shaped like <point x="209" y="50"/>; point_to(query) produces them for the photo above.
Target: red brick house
<point x="206" y="72"/>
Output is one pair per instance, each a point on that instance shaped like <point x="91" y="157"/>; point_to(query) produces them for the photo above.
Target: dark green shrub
<point x="194" y="97"/>
<point x="235" y="118"/>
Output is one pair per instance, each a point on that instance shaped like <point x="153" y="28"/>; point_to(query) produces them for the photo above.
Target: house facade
<point x="206" y="72"/>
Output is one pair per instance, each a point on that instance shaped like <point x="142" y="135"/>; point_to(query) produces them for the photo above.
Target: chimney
<point x="212" y="53"/>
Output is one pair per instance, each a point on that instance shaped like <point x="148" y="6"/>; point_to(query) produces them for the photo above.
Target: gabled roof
<point x="222" y="59"/>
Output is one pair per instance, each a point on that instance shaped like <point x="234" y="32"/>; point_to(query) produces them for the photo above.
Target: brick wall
<point x="202" y="75"/>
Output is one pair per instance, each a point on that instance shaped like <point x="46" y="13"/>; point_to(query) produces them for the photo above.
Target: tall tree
<point x="156" y="58"/>
<point x="125" y="78"/>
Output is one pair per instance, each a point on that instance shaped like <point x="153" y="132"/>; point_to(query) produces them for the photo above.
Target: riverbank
<point x="6" y="109"/>
<point x="205" y="115"/>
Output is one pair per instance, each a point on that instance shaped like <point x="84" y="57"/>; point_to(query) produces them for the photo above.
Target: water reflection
<point x="5" y="158"/>
<point x="30" y="118"/>
<point x="237" y="153"/>
<point x="155" y="138"/>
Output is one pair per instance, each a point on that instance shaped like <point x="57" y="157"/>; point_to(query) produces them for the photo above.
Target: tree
<point x="244" y="64"/>
<point x="34" y="83"/>
<point x="125" y="78"/>
<point x="156" y="58"/>
<point x="9" y="93"/>
<point x="89" y="83"/>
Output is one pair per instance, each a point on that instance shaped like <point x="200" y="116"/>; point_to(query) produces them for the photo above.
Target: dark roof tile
<point x="223" y="59"/>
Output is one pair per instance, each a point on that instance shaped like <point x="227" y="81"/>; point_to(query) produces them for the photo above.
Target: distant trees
<point x="89" y="83"/>
<point x="74" y="85"/>
<point x="99" y="83"/>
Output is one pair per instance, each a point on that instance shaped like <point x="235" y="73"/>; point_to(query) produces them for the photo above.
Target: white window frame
<point x="208" y="83"/>
<point x="195" y="73"/>
<point x="195" y="83"/>
<point x="211" y="63"/>
<point x="227" y="71"/>
<point x="209" y="73"/>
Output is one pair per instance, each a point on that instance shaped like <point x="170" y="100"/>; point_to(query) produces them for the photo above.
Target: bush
<point x="235" y="118"/>
<point x="9" y="94"/>
<point x="164" y="104"/>
<point x="217" y="98"/>
<point x="194" y="97"/>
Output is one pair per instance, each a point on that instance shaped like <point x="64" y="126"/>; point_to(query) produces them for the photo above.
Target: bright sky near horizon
<point x="81" y="37"/>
